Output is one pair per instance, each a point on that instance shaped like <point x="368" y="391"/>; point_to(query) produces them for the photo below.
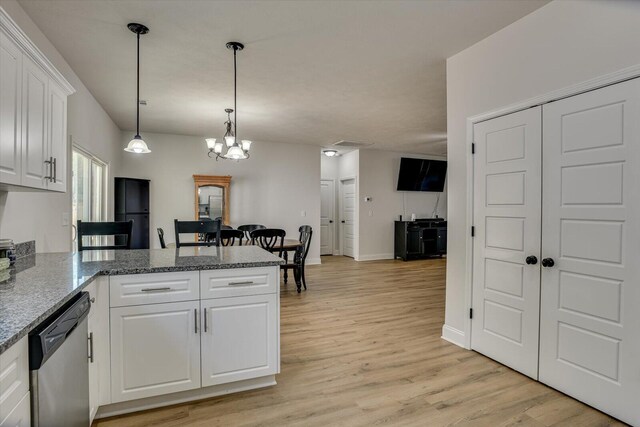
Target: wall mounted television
<point x="421" y="175"/>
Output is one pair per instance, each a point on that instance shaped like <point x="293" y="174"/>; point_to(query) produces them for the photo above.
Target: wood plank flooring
<point x="362" y="347"/>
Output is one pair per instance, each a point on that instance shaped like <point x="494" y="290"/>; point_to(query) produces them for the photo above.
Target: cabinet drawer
<point x="14" y="377"/>
<point x="138" y="289"/>
<point x="238" y="282"/>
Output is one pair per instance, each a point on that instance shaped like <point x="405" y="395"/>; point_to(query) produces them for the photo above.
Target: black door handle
<point x="342" y="221"/>
<point x="548" y="262"/>
<point x="531" y="260"/>
<point x="330" y="221"/>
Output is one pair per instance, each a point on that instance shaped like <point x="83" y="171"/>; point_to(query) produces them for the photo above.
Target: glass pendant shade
<point x="211" y="143"/>
<point x="246" y="145"/>
<point x="137" y="145"/>
<point x="230" y="140"/>
<point x="217" y="148"/>
<point x="235" y="153"/>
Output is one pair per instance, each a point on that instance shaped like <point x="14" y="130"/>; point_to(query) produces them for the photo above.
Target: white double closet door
<point x="556" y="254"/>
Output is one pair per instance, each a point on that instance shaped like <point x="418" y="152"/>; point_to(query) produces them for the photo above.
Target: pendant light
<point x="137" y="144"/>
<point x="235" y="150"/>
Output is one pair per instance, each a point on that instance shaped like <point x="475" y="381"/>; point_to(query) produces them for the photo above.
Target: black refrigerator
<point x="132" y="202"/>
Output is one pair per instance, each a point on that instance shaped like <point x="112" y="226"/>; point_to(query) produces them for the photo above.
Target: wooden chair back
<point x="270" y="239"/>
<point x="209" y="229"/>
<point x="120" y="228"/>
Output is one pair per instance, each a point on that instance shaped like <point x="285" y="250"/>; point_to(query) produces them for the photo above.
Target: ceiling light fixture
<point x="137" y="144"/>
<point x="234" y="151"/>
<point x="330" y="153"/>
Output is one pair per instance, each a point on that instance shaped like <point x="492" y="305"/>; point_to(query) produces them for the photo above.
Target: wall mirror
<point x="212" y="197"/>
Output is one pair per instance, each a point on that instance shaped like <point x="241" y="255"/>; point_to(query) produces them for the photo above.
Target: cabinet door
<point x="414" y="241"/>
<point x="155" y="350"/>
<point x="34" y="125"/>
<point x="57" y="135"/>
<point x="10" y="133"/>
<point x="99" y="357"/>
<point x="239" y="339"/>
<point x="20" y="416"/>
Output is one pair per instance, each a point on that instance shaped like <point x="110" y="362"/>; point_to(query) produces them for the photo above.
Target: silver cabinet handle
<point x="156" y="289"/>
<point x="55" y="169"/>
<point x="250" y="282"/>
<point x="50" y="163"/>
<point x="205" y="319"/>
<point x="91" y="347"/>
<point x="195" y="320"/>
<point x="93" y="300"/>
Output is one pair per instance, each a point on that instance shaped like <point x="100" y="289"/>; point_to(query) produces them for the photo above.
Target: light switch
<point x="65" y="219"/>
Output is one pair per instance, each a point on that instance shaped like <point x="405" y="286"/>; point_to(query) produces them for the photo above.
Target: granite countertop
<point x="40" y="284"/>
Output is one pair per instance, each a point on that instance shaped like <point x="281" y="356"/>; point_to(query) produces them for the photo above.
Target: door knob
<point x="342" y="221"/>
<point x="531" y="260"/>
<point x="548" y="262"/>
<point x="330" y="221"/>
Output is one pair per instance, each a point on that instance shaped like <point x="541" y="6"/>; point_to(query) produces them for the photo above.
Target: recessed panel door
<point x="348" y="217"/>
<point x="327" y="212"/>
<point x="590" y="309"/>
<point x="506" y="271"/>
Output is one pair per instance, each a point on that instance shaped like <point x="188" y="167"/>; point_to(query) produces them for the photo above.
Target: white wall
<point x="379" y="179"/>
<point x="272" y="187"/>
<point x="38" y="215"/>
<point x="561" y="44"/>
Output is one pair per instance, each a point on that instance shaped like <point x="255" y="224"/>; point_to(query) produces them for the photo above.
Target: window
<point x="88" y="191"/>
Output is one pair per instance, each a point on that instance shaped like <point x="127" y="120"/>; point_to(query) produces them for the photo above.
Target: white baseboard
<point x="184" y="396"/>
<point x="313" y="261"/>
<point x="453" y="335"/>
<point x="374" y="257"/>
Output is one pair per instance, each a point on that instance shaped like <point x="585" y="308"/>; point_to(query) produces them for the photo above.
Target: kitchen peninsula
<point x="165" y="326"/>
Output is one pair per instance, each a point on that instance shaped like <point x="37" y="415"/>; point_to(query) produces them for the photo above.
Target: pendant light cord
<point x="235" y="95"/>
<point x="138" y="91"/>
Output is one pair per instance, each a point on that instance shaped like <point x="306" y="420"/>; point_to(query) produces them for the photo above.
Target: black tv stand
<point x="421" y="238"/>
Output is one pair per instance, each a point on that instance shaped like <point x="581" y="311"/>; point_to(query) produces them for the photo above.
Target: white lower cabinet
<point x="155" y="349"/>
<point x="14" y="385"/>
<point x="20" y="416"/>
<point x="239" y="339"/>
<point x="98" y="342"/>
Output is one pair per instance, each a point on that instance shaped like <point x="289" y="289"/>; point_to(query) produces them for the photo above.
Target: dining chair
<point x="161" y="237"/>
<point x="270" y="239"/>
<point x="119" y="228"/>
<point x="226" y="227"/>
<point x="248" y="228"/>
<point x="300" y="257"/>
<point x="228" y="237"/>
<point x="209" y="229"/>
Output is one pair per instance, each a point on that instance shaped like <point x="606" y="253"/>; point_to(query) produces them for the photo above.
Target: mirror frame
<point x="218" y="181"/>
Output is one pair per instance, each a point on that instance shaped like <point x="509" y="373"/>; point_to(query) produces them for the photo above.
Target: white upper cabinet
<point x="10" y="111"/>
<point x="33" y="114"/>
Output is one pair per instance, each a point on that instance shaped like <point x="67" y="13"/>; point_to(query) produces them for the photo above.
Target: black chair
<point x="226" y="227"/>
<point x="270" y="239"/>
<point x="120" y="228"/>
<point x="161" y="237"/>
<point x="248" y="228"/>
<point x="300" y="257"/>
<point x="209" y="230"/>
<point x="228" y="237"/>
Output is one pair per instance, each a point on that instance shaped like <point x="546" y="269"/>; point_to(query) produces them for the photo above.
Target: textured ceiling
<point x="313" y="72"/>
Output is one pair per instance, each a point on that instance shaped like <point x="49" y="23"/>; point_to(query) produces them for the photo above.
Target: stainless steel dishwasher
<point x="59" y="367"/>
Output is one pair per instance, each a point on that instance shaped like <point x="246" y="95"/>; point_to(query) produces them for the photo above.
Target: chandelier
<point x="234" y="150"/>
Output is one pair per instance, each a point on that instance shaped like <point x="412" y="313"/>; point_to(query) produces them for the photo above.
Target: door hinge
<point x="473" y="231"/>
<point x="471" y="313"/>
<point x="473" y="148"/>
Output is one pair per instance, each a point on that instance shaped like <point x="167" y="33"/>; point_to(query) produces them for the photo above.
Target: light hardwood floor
<point x="362" y="347"/>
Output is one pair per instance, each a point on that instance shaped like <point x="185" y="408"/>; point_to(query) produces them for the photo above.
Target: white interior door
<point x="327" y="212"/>
<point x="506" y="289"/>
<point x="590" y="312"/>
<point x="348" y="217"/>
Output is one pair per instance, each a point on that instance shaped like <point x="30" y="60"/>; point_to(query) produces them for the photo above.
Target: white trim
<point x="356" y="220"/>
<point x="454" y="336"/>
<point x="375" y="257"/>
<point x="183" y="396"/>
<point x="313" y="261"/>
<point x="576" y="89"/>
<point x="9" y="26"/>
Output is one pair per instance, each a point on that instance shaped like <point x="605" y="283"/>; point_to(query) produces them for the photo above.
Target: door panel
<point x="34" y="126"/>
<point x="10" y="133"/>
<point x="155" y="350"/>
<point x="348" y="215"/>
<point x="506" y="291"/>
<point x="327" y="212"/>
<point x="57" y="105"/>
<point x="239" y="338"/>
<point x="589" y="342"/>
